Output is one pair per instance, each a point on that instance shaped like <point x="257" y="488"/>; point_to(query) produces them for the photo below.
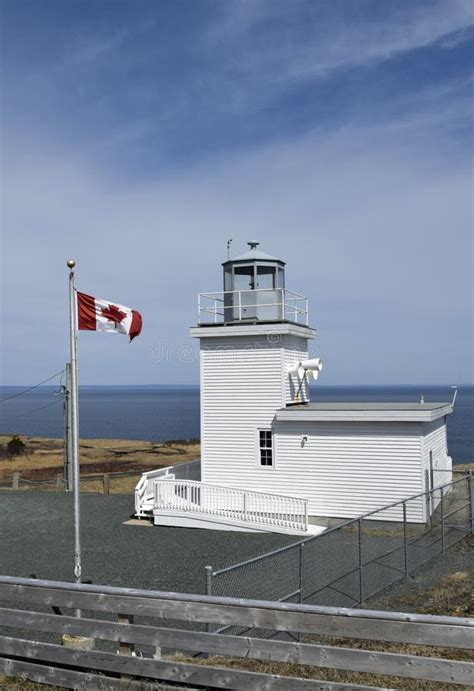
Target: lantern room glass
<point x="254" y="291"/>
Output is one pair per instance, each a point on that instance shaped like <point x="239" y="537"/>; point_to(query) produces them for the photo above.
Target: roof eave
<point x="292" y="414"/>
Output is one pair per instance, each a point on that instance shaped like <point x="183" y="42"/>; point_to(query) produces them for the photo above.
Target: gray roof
<point x="365" y="412"/>
<point x="255" y="255"/>
<point x="354" y="405"/>
<point x="259" y="329"/>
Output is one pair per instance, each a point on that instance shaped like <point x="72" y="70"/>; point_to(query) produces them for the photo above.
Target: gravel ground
<point x="37" y="538"/>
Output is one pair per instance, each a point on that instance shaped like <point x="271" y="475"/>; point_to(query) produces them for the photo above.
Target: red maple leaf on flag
<point x="113" y="314"/>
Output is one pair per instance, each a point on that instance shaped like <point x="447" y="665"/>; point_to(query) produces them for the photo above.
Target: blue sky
<point x="138" y="137"/>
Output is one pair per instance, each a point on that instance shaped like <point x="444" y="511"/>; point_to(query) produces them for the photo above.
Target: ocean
<point x="160" y="413"/>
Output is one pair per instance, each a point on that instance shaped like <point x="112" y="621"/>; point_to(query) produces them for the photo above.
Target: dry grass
<point x="453" y="596"/>
<point x="44" y="459"/>
<point x="19" y="684"/>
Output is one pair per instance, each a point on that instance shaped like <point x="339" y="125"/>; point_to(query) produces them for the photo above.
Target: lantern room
<point x="254" y="284"/>
<point x="253" y="292"/>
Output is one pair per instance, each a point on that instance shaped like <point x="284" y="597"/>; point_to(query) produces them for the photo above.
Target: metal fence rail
<point x="346" y="565"/>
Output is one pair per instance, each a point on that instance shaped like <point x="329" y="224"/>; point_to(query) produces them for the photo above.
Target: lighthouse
<point x="272" y="459"/>
<point x="250" y="335"/>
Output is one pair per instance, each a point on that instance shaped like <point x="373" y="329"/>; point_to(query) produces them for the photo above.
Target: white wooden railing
<point x="236" y="505"/>
<point x="144" y="489"/>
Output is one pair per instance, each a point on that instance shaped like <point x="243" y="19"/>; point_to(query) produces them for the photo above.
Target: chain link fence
<point x="346" y="565"/>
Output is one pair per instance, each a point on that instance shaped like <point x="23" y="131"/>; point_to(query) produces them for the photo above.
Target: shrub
<point x="16" y="447"/>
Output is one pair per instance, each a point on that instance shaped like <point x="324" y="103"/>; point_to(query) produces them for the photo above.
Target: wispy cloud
<point x="308" y="42"/>
<point x="374" y="223"/>
<point x="91" y="49"/>
<point x="324" y="129"/>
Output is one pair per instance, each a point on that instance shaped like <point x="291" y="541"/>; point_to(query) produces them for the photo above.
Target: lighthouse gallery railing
<point x="234" y="305"/>
<point x="230" y="503"/>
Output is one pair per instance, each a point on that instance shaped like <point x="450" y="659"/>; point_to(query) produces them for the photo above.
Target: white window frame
<point x="260" y="448"/>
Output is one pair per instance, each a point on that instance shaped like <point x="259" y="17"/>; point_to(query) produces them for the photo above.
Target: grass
<point x="452" y="595"/>
<point x="44" y="459"/>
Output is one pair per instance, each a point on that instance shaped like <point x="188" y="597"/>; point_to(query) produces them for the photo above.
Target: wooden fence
<point x="101" y="613"/>
<point x="57" y="483"/>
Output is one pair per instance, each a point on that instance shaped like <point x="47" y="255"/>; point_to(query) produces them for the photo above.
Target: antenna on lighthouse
<point x="228" y="248"/>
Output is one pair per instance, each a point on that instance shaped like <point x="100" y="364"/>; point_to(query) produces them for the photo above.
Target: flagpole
<point x="75" y="426"/>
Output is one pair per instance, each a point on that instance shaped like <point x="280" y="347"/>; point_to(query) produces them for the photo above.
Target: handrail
<point x="228" y="305"/>
<point x="250" y="290"/>
<point x="143" y="484"/>
<point x="243" y="506"/>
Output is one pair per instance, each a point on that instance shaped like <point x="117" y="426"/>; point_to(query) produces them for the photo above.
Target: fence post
<point x="106" y="483"/>
<point x="361" y="584"/>
<point x="431" y="471"/>
<point x="125" y="648"/>
<point x="209" y="574"/>
<point x="301" y="582"/>
<point x="209" y="571"/>
<point x="443" y="546"/>
<point x="405" y="545"/>
<point x="301" y="572"/>
<point x="16" y="480"/>
<point x="59" y="482"/>
<point x="469" y="493"/>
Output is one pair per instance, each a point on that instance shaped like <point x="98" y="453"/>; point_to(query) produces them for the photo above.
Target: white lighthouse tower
<point x="251" y="334"/>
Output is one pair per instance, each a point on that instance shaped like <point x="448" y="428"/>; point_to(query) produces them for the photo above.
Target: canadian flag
<point x="94" y="314"/>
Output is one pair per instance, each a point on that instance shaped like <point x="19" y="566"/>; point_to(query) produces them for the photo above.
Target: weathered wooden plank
<point x="71" y="679"/>
<point x="126" y="647"/>
<point x="447" y="635"/>
<point x="218" y="677"/>
<point x="217" y="601"/>
<point x="412" y="666"/>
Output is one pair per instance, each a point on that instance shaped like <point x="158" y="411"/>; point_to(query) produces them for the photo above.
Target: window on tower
<point x="265" y="447"/>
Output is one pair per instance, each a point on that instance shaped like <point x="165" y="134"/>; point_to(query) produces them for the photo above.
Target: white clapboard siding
<point x="295" y="350"/>
<point x="243" y="383"/>
<point x="346" y="469"/>
<point x="435" y="440"/>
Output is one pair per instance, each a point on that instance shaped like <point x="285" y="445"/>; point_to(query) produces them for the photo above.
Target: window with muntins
<point x="265" y="447"/>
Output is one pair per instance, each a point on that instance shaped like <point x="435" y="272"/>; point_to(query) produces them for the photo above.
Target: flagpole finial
<point x="71" y="263"/>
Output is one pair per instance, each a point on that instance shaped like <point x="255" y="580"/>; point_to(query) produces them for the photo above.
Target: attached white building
<point x="270" y="458"/>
